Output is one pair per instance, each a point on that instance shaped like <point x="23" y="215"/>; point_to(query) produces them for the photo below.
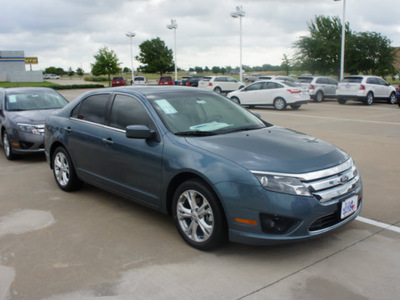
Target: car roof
<point x="148" y="90"/>
<point x="26" y="89"/>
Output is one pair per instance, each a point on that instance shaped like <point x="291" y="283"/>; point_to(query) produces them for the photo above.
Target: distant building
<point x="12" y="68"/>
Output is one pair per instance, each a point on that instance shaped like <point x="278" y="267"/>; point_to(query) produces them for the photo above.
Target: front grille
<point x="331" y="183"/>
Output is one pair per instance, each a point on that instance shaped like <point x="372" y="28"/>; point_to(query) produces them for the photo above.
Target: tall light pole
<point x="343" y="39"/>
<point x="239" y="13"/>
<point x="131" y="35"/>
<point x="174" y="26"/>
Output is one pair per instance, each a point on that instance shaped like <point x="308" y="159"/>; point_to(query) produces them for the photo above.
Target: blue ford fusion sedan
<point x="220" y="171"/>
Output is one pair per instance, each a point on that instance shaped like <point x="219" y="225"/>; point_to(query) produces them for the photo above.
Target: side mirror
<point x="139" y="132"/>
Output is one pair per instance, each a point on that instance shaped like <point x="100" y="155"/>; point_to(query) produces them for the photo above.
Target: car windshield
<point x="118" y="78"/>
<point x="305" y="80"/>
<point x="36" y="100"/>
<point x="199" y="114"/>
<point x="165" y="79"/>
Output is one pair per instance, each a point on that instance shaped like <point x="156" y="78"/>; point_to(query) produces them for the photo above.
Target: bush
<point x="96" y="78"/>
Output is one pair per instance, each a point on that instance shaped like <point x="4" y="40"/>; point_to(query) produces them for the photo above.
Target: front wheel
<point x="64" y="172"/>
<point x="198" y="216"/>
<point x="280" y="104"/>
<point x="7" y="147"/>
<point x="392" y="99"/>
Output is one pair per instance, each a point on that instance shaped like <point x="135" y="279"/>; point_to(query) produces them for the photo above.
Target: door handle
<point x="107" y="141"/>
<point x="68" y="129"/>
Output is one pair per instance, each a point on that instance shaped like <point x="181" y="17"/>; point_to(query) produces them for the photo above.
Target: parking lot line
<point x="378" y="224"/>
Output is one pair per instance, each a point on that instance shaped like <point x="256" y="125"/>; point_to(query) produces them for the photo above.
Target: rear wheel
<point x="64" y="172"/>
<point x="370" y="99"/>
<point x="280" y="104"/>
<point x="236" y="99"/>
<point x="198" y="216"/>
<point x="392" y="99"/>
<point x="319" y="97"/>
<point x="341" y="101"/>
<point x="217" y="90"/>
<point x="7" y="147"/>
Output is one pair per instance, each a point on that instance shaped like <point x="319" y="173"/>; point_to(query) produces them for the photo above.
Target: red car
<point x="118" y="81"/>
<point x="165" y="80"/>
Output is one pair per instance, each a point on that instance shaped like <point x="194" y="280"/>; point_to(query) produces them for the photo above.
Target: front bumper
<point x="310" y="217"/>
<point x="25" y="143"/>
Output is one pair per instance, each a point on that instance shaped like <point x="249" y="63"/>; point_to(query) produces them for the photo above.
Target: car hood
<point x="30" y="116"/>
<point x="273" y="149"/>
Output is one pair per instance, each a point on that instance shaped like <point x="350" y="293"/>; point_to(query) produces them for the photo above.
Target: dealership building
<point x="12" y="67"/>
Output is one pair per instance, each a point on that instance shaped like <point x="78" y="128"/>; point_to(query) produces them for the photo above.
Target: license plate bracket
<point x="349" y="206"/>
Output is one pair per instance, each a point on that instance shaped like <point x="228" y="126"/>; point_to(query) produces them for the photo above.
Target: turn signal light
<point x="249" y="222"/>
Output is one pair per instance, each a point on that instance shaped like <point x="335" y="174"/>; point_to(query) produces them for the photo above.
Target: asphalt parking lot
<point x="91" y="244"/>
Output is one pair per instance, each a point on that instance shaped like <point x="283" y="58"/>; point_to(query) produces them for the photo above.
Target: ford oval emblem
<point x="344" y="179"/>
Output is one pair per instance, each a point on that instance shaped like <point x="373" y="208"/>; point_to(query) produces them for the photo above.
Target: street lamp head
<point x="173" y="24"/>
<point x="130" y="34"/>
<point x="238" y="13"/>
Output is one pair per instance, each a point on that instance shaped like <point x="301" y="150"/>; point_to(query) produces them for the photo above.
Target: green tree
<point x="369" y="53"/>
<point x="216" y="70"/>
<point x="155" y="57"/>
<point x="320" y="52"/>
<point x="285" y="64"/>
<point x="70" y="72"/>
<point x="79" y="72"/>
<point x="106" y="63"/>
<point x="54" y="70"/>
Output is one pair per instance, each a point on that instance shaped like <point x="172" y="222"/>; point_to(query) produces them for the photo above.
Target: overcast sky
<point x="68" y="33"/>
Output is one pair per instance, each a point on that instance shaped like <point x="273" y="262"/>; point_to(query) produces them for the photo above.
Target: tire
<point x="319" y="97"/>
<point x="235" y="99"/>
<point x="218" y="90"/>
<point x="8" y="152"/>
<point x="341" y="101"/>
<point x="280" y="104"/>
<point x="199" y="216"/>
<point x="370" y="99"/>
<point x="64" y="172"/>
<point x="392" y="99"/>
<point x="295" y="106"/>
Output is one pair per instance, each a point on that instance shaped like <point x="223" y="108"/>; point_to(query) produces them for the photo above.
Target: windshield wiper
<point x="195" y="133"/>
<point x="247" y="128"/>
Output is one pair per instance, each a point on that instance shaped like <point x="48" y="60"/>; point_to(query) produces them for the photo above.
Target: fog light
<point x="273" y="224"/>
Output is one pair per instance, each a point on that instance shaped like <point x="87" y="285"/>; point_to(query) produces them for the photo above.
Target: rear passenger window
<point x="126" y="111"/>
<point x="372" y="81"/>
<point x="93" y="109"/>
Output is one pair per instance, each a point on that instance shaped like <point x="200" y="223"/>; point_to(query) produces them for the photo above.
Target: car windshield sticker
<point x="166" y="107"/>
<point x="12" y="99"/>
<point x="211" y="126"/>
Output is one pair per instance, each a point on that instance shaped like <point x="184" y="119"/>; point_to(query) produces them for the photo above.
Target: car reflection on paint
<point x="221" y="172"/>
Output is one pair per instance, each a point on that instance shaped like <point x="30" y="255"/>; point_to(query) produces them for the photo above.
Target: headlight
<point x="34" y="129"/>
<point x="282" y="184"/>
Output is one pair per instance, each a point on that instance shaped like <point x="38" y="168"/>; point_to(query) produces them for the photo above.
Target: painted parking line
<point x="379" y="224"/>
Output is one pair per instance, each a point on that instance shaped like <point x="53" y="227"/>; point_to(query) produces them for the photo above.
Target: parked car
<point x="118" y="81"/>
<point x="274" y="93"/>
<point x="365" y="89"/>
<point x="319" y="87"/>
<point x="184" y="80"/>
<point x="220" y="84"/>
<point x="253" y="77"/>
<point x="165" y="80"/>
<point x="139" y="80"/>
<point x="219" y="170"/>
<point x="51" y="76"/>
<point x="398" y="95"/>
<point x="22" y="115"/>
<point x="272" y="77"/>
<point x="194" y="81"/>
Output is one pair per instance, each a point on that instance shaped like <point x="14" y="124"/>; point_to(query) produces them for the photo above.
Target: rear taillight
<point x="362" y="87"/>
<point x="294" y="91"/>
<point x="312" y="87"/>
<point x="187" y="83"/>
<point x="210" y="84"/>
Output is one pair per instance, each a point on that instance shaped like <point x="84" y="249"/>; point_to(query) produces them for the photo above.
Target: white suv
<point x="220" y="84"/>
<point x="365" y="89"/>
